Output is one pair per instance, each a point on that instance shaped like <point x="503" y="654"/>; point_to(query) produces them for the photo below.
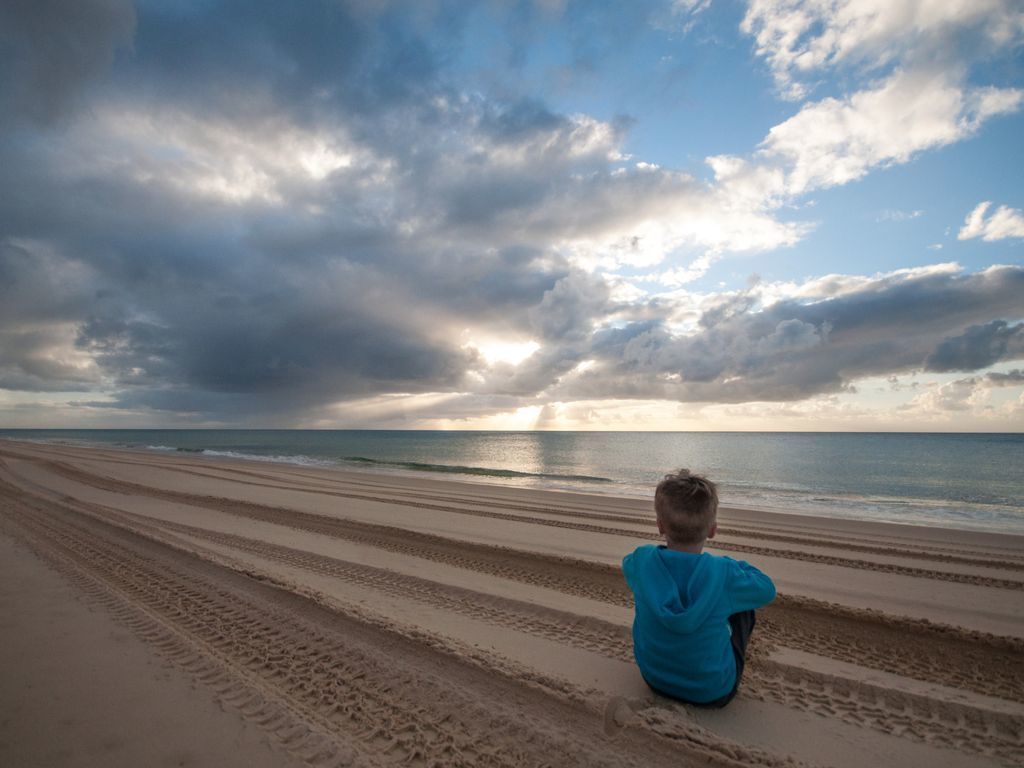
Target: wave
<point x="977" y="515"/>
<point x="960" y="502"/>
<point x="302" y="460"/>
<point x="414" y="466"/>
<point x="456" y="469"/>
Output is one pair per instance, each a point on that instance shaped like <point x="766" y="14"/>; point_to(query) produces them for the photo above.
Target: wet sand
<point x="351" y="618"/>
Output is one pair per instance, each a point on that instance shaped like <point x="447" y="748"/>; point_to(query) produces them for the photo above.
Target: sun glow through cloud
<point x="510" y="352"/>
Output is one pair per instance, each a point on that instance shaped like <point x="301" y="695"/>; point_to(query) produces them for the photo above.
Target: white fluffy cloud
<point x="973" y="393"/>
<point x="1004" y="222"/>
<point x="920" y="50"/>
<point x="800" y="37"/>
<point x="920" y="54"/>
<point x="836" y="141"/>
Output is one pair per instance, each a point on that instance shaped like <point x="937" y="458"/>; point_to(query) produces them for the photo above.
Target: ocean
<point x="966" y="481"/>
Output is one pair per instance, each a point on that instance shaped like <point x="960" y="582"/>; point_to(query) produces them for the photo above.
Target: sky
<point x="664" y="214"/>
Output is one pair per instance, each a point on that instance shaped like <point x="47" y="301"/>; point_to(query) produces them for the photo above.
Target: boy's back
<point x="681" y="632"/>
<point x="694" y="611"/>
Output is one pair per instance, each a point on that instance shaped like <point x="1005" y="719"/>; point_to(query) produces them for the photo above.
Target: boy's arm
<point x="748" y="587"/>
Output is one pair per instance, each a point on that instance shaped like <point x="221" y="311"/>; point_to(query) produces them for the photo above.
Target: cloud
<point x="307" y="311"/>
<point x="979" y="346"/>
<point x="921" y="54"/>
<point x="1012" y="378"/>
<point x="1004" y="223"/>
<point x="895" y="215"/>
<point x="204" y="244"/>
<point x="223" y="244"/>
<point x="312" y="62"/>
<point x="51" y="51"/>
<point x="569" y="308"/>
<point x="744" y="350"/>
<point x="42" y="296"/>
<point x="839" y="140"/>
<point x="959" y="395"/>
<point x="42" y="358"/>
<point x="799" y="38"/>
<point x="836" y="141"/>
<point x="970" y="394"/>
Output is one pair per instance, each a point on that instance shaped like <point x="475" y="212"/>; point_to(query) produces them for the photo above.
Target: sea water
<point x="968" y="481"/>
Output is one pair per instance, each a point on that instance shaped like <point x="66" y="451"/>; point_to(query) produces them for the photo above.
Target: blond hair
<point x="687" y="507"/>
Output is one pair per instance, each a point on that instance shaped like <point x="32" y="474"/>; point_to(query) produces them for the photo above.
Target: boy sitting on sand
<point x="694" y="611"/>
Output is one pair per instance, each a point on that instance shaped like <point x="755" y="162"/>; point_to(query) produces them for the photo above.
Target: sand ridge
<point x="183" y="586"/>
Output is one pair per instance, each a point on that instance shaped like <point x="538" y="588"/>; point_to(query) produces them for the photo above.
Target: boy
<point x="694" y="611"/>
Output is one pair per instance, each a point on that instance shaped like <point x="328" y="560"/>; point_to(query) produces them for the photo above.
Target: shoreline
<point x="455" y="613"/>
<point x="615" y="491"/>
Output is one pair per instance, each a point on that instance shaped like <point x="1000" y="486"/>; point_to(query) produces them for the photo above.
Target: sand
<point x="177" y="610"/>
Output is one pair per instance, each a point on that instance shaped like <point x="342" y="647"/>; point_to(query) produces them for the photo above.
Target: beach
<point x="272" y="614"/>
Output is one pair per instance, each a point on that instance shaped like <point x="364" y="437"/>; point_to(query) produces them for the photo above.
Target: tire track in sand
<point x="952" y="725"/>
<point x="914" y="648"/>
<point x="336" y="526"/>
<point x="920" y="718"/>
<point x="389" y="494"/>
<point x="333" y="689"/>
<point x="604" y="638"/>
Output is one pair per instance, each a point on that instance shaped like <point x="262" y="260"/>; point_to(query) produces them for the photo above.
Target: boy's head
<point x="687" y="508"/>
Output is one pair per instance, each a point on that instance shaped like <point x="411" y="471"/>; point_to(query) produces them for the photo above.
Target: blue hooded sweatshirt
<point x="681" y="633"/>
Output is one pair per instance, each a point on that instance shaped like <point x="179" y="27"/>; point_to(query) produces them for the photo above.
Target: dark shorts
<point x="742" y="625"/>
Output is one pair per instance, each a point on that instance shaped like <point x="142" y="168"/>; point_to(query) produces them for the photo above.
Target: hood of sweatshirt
<point x="679" y="589"/>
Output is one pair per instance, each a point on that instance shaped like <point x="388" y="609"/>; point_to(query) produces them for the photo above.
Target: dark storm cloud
<point x="342" y="339"/>
<point x="1009" y="379"/>
<point x="190" y="297"/>
<point x="26" y="363"/>
<point x="596" y="34"/>
<point x="249" y="57"/>
<point x="51" y="50"/>
<point x="41" y="296"/>
<point x="30" y="275"/>
<point x="978" y="347"/>
<point x="522" y="119"/>
<point x="210" y="305"/>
